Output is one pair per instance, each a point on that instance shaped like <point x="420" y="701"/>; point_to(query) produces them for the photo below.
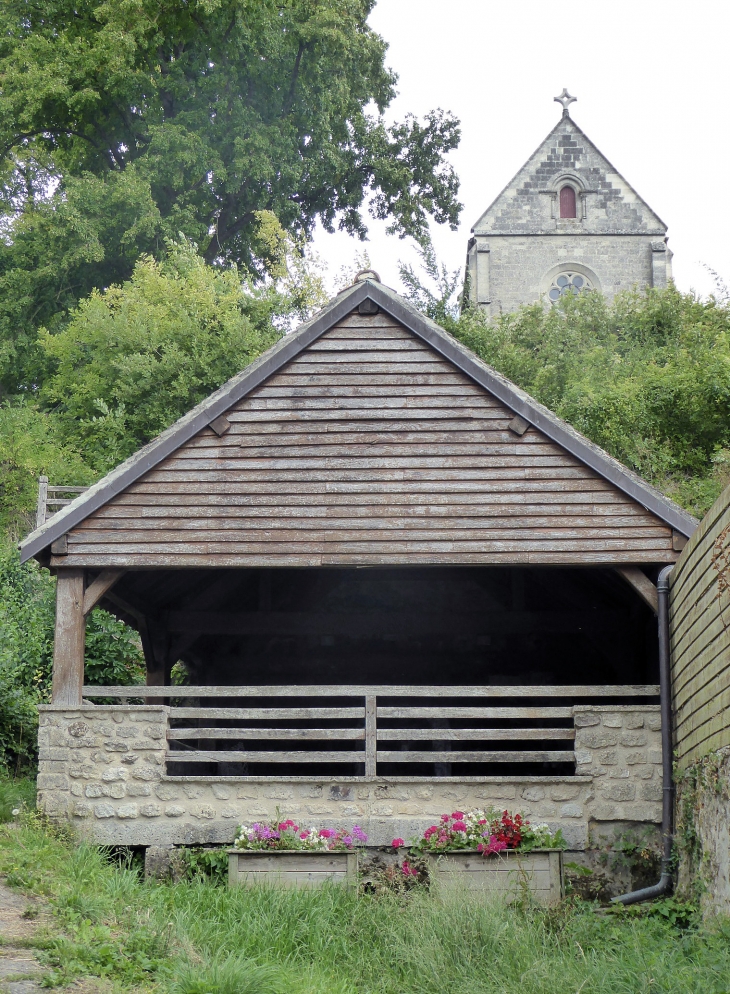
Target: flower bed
<point x="489" y="851"/>
<point x="283" y="853"/>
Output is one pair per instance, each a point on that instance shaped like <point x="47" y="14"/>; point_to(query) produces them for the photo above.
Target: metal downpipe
<point x="665" y="697"/>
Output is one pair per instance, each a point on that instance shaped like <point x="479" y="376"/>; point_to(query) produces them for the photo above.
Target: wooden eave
<point x="291" y="346"/>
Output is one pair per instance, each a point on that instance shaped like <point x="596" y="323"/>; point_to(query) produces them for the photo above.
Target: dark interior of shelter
<point x="455" y="626"/>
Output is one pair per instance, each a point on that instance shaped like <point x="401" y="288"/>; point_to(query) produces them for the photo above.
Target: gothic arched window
<point x="567" y="202"/>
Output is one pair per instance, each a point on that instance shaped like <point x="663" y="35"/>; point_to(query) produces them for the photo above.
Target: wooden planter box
<point x="291" y="868"/>
<point x="539" y="872"/>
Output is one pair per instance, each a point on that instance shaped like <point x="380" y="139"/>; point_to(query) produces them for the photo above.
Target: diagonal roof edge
<point x="288" y="348"/>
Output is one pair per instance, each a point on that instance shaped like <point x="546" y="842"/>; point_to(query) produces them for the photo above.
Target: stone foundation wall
<point x="102" y="768"/>
<point x="703" y="831"/>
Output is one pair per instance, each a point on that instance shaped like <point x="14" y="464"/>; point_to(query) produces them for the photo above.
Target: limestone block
<point x="193" y="791"/>
<point x="81" y="810"/>
<point x="496" y="792"/>
<point x="130" y="759"/>
<point x="114" y="773"/>
<point x="608" y="758"/>
<point x="119" y="718"/>
<point x="151" y="810"/>
<point x="533" y="793"/>
<point x="127" y="732"/>
<point x="625" y="791"/>
<point x="605" y="812"/>
<point x="654" y="722"/>
<point x="655" y="756"/>
<point x="247" y="792"/>
<point x="631" y="740"/>
<point x="571" y="811"/>
<point x="229" y="812"/>
<point x="202" y="811"/>
<point x="167" y="791"/>
<point x="221" y="791"/>
<point x="619" y="773"/>
<point x="101" y="757"/>
<point x="104" y="810"/>
<point x="174" y="811"/>
<point x="632" y="758"/>
<point x="422" y="792"/>
<point x="383" y="810"/>
<point x="155" y="731"/>
<point x="77" y="789"/>
<point x="396" y="792"/>
<point x="642" y="772"/>
<point x="584" y="720"/>
<point x="84" y="772"/>
<point x="54" y="754"/>
<point x="651" y="791"/>
<point x="597" y="739"/>
<point x="364" y="793"/>
<point x="128" y="811"/>
<point x="307" y="790"/>
<point x="611" y="720"/>
<point x="278" y="792"/>
<point x="564" y="792"/>
<point x="341" y="792"/>
<point x="146" y="773"/>
<point x="583" y="757"/>
<point x="454" y="792"/>
<point x="94" y="790"/>
<point x="138" y="790"/>
<point x="52" y="781"/>
<point x="116" y="790"/>
<point x="634" y="721"/>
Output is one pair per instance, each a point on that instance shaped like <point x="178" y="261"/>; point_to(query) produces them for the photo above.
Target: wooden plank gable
<point x="368" y="447"/>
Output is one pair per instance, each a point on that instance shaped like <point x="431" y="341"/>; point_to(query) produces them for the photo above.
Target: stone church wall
<point x="517" y="270"/>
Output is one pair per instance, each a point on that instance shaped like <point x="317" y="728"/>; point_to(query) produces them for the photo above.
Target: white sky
<point x="653" y="88"/>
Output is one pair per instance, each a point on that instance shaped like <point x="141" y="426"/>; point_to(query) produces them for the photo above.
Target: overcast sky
<point x="653" y="88"/>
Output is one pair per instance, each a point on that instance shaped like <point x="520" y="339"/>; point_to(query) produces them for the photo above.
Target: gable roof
<point x="291" y="346"/>
<point x="568" y="151"/>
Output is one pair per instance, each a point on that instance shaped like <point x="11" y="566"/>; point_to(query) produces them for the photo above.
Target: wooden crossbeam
<point x="100" y="586"/>
<point x="641" y="583"/>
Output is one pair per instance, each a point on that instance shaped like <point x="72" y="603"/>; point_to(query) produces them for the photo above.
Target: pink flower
<point x="397" y="843"/>
<point x="458" y="815"/>
<point x="304" y="835"/>
<point x="458" y="826"/>
<point x="444" y="817"/>
<point x="430" y="831"/>
<point x="326" y="833"/>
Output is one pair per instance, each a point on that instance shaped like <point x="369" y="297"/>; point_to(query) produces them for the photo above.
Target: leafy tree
<point x="30" y="445"/>
<point x="136" y="357"/>
<point x="125" y="122"/>
<point x="646" y="377"/>
<point x="113" y="654"/>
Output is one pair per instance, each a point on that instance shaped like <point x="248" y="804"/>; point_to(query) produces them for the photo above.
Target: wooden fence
<point x="700" y="637"/>
<point x="369" y="731"/>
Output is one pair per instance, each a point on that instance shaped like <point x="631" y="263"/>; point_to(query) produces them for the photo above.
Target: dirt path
<point x="19" y="921"/>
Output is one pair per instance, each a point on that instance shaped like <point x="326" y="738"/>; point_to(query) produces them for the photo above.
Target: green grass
<point x="195" y="938"/>
<point x="15" y="794"/>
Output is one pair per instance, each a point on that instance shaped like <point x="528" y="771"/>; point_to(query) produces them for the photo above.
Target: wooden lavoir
<point x="377" y="560"/>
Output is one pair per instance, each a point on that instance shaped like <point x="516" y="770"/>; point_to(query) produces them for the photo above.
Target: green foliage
<point x="135" y="358"/>
<point x="125" y="122"/>
<point x="194" y="937"/>
<point x="646" y="377"/>
<point x="16" y="794"/>
<point x="200" y="863"/>
<point x="27" y="592"/>
<point x="30" y="445"/>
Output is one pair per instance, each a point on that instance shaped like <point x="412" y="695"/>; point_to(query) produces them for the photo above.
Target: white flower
<point x="16" y="812"/>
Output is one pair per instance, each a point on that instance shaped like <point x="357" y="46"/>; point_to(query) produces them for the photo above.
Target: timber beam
<point x="641" y="583"/>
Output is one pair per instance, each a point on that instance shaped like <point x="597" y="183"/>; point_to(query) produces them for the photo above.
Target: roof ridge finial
<point x="565" y="99"/>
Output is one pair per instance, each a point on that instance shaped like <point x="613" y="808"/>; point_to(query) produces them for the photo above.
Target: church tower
<point x="568" y="221"/>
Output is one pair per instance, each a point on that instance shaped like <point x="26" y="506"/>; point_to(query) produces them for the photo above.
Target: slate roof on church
<point x="364" y="439"/>
<point x="523" y="207"/>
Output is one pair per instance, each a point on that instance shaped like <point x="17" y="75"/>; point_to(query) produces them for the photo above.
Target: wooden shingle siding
<point x="700" y="637"/>
<point x="369" y="448"/>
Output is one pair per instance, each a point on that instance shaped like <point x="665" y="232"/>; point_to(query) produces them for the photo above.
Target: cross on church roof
<point x="565" y="99"/>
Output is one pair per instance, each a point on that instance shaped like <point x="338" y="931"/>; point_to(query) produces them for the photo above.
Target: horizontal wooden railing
<point x="426" y="727"/>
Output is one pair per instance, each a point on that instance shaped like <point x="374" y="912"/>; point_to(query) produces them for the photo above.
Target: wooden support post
<point x="641" y="583"/>
<point x="40" y="514"/>
<point x="371" y="736"/>
<point x="101" y="585"/>
<point x="69" y="643"/>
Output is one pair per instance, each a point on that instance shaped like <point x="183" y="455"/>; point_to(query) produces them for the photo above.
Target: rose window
<point x="567" y="283"/>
